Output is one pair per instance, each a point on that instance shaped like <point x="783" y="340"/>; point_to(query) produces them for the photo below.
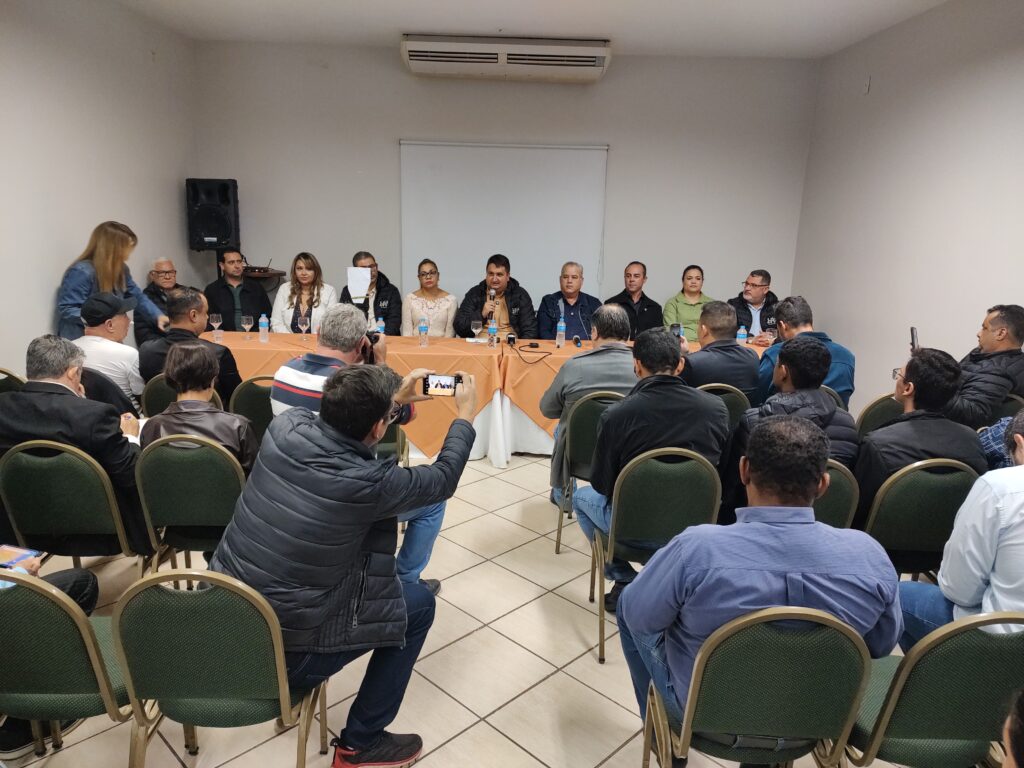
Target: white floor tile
<point x="457" y="511"/>
<point x="449" y="558"/>
<point x="553" y="628"/>
<point x="536" y="513"/>
<point x="492" y="493"/>
<point x="488" y="591"/>
<point x="632" y="754"/>
<point x="216" y="745"/>
<point x="533" y="477"/>
<point x="489" y="535"/>
<point x="572" y="537"/>
<point x="481" y="745"/>
<point x="537" y="562"/>
<point x="109" y="748"/>
<point x="470" y="475"/>
<point x="449" y="625"/>
<point x="517" y="460"/>
<point x="578" y="591"/>
<point x="611" y="678"/>
<point x="281" y="750"/>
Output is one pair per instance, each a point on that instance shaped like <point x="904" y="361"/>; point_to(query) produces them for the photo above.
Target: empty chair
<point x="839" y="503"/>
<point x="734" y="399"/>
<point x="877" y="413"/>
<point x="251" y="399"/>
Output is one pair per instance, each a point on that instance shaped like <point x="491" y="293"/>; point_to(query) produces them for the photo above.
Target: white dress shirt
<point x="118" y="362"/>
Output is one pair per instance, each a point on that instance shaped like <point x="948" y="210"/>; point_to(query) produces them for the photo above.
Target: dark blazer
<point x="724" y="362"/>
<point x="648" y="315"/>
<point x="45" y="411"/>
<point x="387" y="303"/>
<point x="521" y="315"/>
<point x="101" y="388"/>
<point x="193" y="417"/>
<point x="154" y="353"/>
<point x="985" y="381"/>
<point x="146" y="327"/>
<point x="659" y="412"/>
<point x="253" y="299"/>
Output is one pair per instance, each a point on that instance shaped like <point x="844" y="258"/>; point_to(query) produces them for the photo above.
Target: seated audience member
<point x="568" y="303"/>
<point x="755" y="307"/>
<point x="659" y="412"/>
<point x="924" y="386"/>
<point x="720" y="359"/>
<point x="383" y="298"/>
<point x="1013" y="734"/>
<point x="328" y="569"/>
<point x="993" y="370"/>
<point x="775" y="555"/>
<point x="52" y="406"/>
<point x="983" y="561"/>
<point x="233" y="295"/>
<point x="643" y="311"/>
<point x="163" y="277"/>
<point x="500" y="296"/>
<point x="608" y="366"/>
<point x="106" y="326"/>
<point x="82" y="587"/>
<point x="794" y="318"/>
<point x="802" y="365"/>
<point x="191" y="371"/>
<point x="429" y="301"/>
<point x="306" y="295"/>
<point x="993" y="443"/>
<point x="189" y="315"/>
<point x="686" y="306"/>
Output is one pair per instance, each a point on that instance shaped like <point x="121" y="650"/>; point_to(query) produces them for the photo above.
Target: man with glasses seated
<point x="755" y="308"/>
<point x="163" y="277"/>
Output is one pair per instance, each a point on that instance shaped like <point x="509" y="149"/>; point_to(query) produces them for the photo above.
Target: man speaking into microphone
<point x="498" y="296"/>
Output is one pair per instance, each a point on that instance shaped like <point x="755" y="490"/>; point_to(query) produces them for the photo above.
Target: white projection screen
<point x="539" y="205"/>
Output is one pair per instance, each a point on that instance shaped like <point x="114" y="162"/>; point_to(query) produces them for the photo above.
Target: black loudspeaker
<point x="212" y="208"/>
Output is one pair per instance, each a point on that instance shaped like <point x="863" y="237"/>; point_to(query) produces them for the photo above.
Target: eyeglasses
<point x="897" y="373"/>
<point x="165" y="272"/>
<point x="428" y="274"/>
<point x="748" y="284"/>
<point x="396" y="411"/>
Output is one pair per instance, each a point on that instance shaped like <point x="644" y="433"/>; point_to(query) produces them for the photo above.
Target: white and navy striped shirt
<point x="300" y="382"/>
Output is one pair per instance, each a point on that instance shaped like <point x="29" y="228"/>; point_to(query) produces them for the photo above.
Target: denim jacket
<point x="79" y="284"/>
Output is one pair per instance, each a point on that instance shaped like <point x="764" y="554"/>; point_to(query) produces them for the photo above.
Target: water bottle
<point x="741" y="335"/>
<point x="380" y="325"/>
<point x="560" y="333"/>
<point x="264" y="328"/>
<point x="423" y="328"/>
<point x="492" y="333"/>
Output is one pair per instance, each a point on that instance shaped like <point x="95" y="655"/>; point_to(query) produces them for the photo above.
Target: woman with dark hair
<point x="191" y="371"/>
<point x="429" y="301"/>
<point x="102" y="268"/>
<point x="685" y="307"/>
<point x="302" y="302"/>
<point x="1013" y="734"/>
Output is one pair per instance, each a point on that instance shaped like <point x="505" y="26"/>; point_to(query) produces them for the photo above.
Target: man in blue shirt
<point x="569" y="303"/>
<point x="774" y="555"/>
<point x="793" y="317"/>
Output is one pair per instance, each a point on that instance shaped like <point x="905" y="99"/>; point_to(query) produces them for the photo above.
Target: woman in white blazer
<point x="305" y="295"/>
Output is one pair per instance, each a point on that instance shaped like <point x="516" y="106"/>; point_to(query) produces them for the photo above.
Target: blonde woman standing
<point x="439" y="307"/>
<point x="304" y="298"/>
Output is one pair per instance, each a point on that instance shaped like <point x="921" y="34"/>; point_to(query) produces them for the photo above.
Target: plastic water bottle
<point x="741" y="335"/>
<point x="560" y="333"/>
<point x="380" y="325"/>
<point x="264" y="328"/>
<point x="423" y="328"/>
<point x="492" y="333"/>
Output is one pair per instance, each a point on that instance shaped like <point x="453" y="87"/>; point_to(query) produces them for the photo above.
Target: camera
<point x="374" y="337"/>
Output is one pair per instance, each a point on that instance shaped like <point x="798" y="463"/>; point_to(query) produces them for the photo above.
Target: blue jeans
<point x="387" y="675"/>
<point x="645" y="657"/>
<point x="420" y="534"/>
<point x="595" y="512"/>
<point x="925" y="609"/>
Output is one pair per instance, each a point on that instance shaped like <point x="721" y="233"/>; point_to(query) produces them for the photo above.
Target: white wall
<point x="913" y="210"/>
<point x="97" y="124"/>
<point x="706" y="161"/>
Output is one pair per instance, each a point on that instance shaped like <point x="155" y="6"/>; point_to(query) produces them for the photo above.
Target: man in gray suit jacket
<point x="608" y="366"/>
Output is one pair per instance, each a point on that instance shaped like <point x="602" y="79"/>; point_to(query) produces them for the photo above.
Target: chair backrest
<point x="839" y="503"/>
<point x="207" y="656"/>
<point x="55" y="490"/>
<point x="734" y="399"/>
<point x="251" y="399"/>
<point x="1009" y="407"/>
<point x="915" y="508"/>
<point x="835" y="396"/>
<point x="394" y="443"/>
<point x="764" y="674"/>
<point x="659" y="494"/>
<point x="10" y="381"/>
<point x="581" y="431"/>
<point x="879" y="411"/>
<point x="51" y="667"/>
<point x="188" y="480"/>
<point x="955" y="685"/>
<point x="158" y="394"/>
<point x="101" y="388"/>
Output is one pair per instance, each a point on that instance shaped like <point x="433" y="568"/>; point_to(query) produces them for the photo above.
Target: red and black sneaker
<point x="394" y="750"/>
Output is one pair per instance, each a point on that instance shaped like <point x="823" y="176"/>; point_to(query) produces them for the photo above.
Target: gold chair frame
<point x="835" y="396"/>
<point x="843" y="470"/>
<point x="867" y="408"/>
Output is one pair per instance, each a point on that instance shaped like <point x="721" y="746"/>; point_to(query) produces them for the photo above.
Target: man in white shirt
<point x="106" y="325"/>
<point x="983" y="562"/>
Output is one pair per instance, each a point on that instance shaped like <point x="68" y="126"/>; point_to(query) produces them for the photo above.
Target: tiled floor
<point x="508" y="677"/>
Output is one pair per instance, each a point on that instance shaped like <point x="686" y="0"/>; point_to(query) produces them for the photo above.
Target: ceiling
<point x="745" y="28"/>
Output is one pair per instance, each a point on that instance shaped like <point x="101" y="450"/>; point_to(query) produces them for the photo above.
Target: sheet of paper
<point x="358" y="283"/>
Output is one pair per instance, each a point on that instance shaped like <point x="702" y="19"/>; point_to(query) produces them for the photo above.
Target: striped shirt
<point x="300" y="382"/>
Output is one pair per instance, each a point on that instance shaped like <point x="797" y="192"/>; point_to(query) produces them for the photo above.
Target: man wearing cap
<point x="106" y="326"/>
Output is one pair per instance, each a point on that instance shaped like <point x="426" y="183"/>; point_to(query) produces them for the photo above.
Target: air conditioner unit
<point x="507" y="58"/>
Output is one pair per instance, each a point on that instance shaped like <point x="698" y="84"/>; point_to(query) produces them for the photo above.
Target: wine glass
<point x="247" y="325"/>
<point x="476" y="326"/>
<point x="303" y="325"/>
<point x="215" y="321"/>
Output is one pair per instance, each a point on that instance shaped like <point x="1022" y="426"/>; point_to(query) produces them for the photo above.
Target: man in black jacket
<point x="327" y="566"/>
<point x="720" y="359"/>
<point x="660" y="412"/>
<point x="993" y="370"/>
<point x="755" y="307"/>
<point x="386" y="298"/>
<point x="644" y="312"/>
<point x="233" y="295"/>
<point x="163" y="277"/>
<point x="804" y="362"/>
<point x="499" y="296"/>
<point x="189" y="314"/>
<point x="924" y="386"/>
<point x="52" y="406"/>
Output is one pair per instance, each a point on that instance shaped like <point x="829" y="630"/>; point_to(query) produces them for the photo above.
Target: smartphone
<point x="675" y="329"/>
<point x="913" y="338"/>
<point x="440" y="385"/>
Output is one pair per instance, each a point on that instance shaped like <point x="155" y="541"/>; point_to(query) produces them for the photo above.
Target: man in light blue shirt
<point x="774" y="555"/>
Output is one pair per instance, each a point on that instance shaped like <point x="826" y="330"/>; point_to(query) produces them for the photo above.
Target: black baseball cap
<point x="101" y="307"/>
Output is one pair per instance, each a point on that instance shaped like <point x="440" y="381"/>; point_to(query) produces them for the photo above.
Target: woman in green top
<point x="685" y="307"/>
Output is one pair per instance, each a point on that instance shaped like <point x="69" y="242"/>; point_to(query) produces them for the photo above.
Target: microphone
<point x="576" y="341"/>
<point x="491" y="293"/>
